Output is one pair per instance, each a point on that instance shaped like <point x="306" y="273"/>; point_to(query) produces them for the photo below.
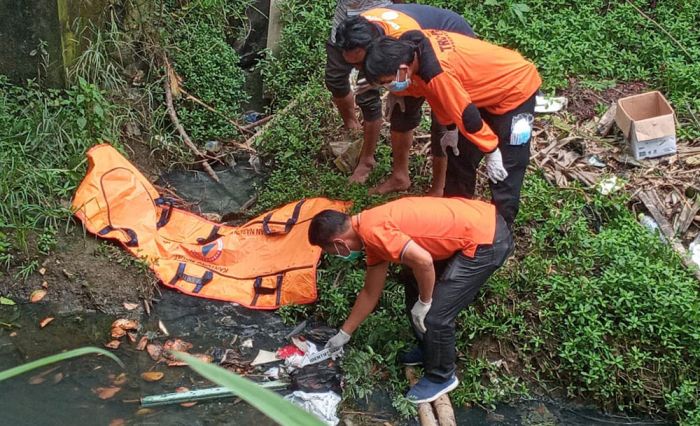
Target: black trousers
<point x="404" y="121"/>
<point x="337" y="79"/>
<point x="460" y="279"/>
<point x="461" y="171"/>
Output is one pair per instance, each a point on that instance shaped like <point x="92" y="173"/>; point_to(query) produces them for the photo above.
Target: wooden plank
<point x="425" y="410"/>
<point x="652" y="203"/>
<point x="690" y="209"/>
<point x="607" y="120"/>
<point x="444" y="411"/>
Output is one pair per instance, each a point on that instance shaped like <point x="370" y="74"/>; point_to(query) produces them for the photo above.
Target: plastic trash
<point x="521" y="129"/>
<point x="650" y="225"/>
<point x="286" y="351"/>
<point x="264" y="357"/>
<point x="595" y="161"/>
<point x="545" y="104"/>
<point x="609" y="185"/>
<point x="322" y="405"/>
<point x="322" y="377"/>
<point x="212" y="146"/>
<point x="252" y="116"/>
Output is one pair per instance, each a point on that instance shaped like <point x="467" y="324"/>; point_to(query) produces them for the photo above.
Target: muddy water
<point x="65" y="395"/>
<point x="70" y="401"/>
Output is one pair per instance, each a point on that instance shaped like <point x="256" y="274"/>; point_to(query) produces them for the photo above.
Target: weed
<point x="46" y="134"/>
<point x="197" y="40"/>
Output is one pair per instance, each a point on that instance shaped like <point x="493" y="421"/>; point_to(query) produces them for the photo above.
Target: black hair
<point x="355" y="31"/>
<point x="385" y="55"/>
<point x="327" y="225"/>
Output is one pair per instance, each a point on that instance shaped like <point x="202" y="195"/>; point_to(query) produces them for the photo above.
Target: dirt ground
<point x="85" y="274"/>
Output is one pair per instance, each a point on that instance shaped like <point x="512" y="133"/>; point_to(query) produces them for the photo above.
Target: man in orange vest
<point x="352" y="37"/>
<point x="484" y="93"/>
<point x="469" y="237"/>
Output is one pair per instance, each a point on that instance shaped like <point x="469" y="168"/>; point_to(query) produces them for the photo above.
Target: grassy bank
<point x="591" y="306"/>
<point x="45" y="134"/>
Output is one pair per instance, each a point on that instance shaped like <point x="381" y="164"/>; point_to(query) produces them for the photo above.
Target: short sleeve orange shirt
<point x="442" y="226"/>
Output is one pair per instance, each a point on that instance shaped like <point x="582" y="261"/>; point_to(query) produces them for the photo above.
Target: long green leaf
<point x="20" y="369"/>
<point x="267" y="402"/>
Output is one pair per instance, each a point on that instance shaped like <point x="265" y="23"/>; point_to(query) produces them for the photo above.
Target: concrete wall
<point x="37" y="39"/>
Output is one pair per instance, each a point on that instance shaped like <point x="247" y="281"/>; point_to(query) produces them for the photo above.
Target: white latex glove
<point x="391" y="101"/>
<point x="338" y="341"/>
<point x="494" y="166"/>
<point x="361" y="87"/>
<point x="418" y="312"/>
<point x="450" y="138"/>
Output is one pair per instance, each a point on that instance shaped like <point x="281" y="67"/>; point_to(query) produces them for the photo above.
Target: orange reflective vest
<point x="263" y="264"/>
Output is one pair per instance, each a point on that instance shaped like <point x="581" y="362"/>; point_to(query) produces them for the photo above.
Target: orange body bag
<point x="263" y="264"/>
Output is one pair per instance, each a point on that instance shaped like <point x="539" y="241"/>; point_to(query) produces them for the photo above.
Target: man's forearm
<point x="368" y="297"/>
<point x="425" y="276"/>
<point x="364" y="305"/>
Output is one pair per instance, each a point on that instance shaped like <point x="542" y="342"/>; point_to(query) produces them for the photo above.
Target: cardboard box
<point x="648" y="123"/>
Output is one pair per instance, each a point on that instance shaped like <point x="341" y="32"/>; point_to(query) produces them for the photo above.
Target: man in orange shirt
<point x="352" y="38"/>
<point x="484" y="93"/>
<point x="468" y="235"/>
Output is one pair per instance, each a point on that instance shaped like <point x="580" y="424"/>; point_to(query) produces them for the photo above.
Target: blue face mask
<point x="398" y="86"/>
<point x="351" y="256"/>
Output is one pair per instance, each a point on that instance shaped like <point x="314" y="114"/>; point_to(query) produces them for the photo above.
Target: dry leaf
<point x="162" y="328"/>
<point x="172" y="363"/>
<point x="142" y="343"/>
<point x="185" y="404"/>
<point x="177" y="345"/>
<point x="130" y="306"/>
<point x="204" y="357"/>
<point x="113" y="344"/>
<point x="143" y="411"/>
<point x="57" y="378"/>
<point x="126" y="324"/>
<point x="155" y="351"/>
<point x="152" y="376"/>
<point x="106" y="393"/>
<point x="132" y="336"/>
<point x="117" y="422"/>
<point x="175" y="82"/>
<point x="119" y="380"/>
<point x="118" y="332"/>
<point x="43" y="323"/>
<point x="37" y="379"/>
<point x="37" y="295"/>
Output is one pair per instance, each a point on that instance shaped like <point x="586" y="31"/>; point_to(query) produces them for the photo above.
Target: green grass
<point x="602" y="310"/>
<point x="196" y="37"/>
<point x="45" y="134"/>
<point x="599" y="40"/>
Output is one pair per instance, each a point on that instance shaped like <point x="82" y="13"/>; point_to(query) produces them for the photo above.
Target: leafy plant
<point x="42" y="362"/>
<point x="47" y="134"/>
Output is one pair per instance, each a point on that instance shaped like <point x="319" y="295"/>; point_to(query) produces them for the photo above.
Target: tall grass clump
<point x="45" y="134"/>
